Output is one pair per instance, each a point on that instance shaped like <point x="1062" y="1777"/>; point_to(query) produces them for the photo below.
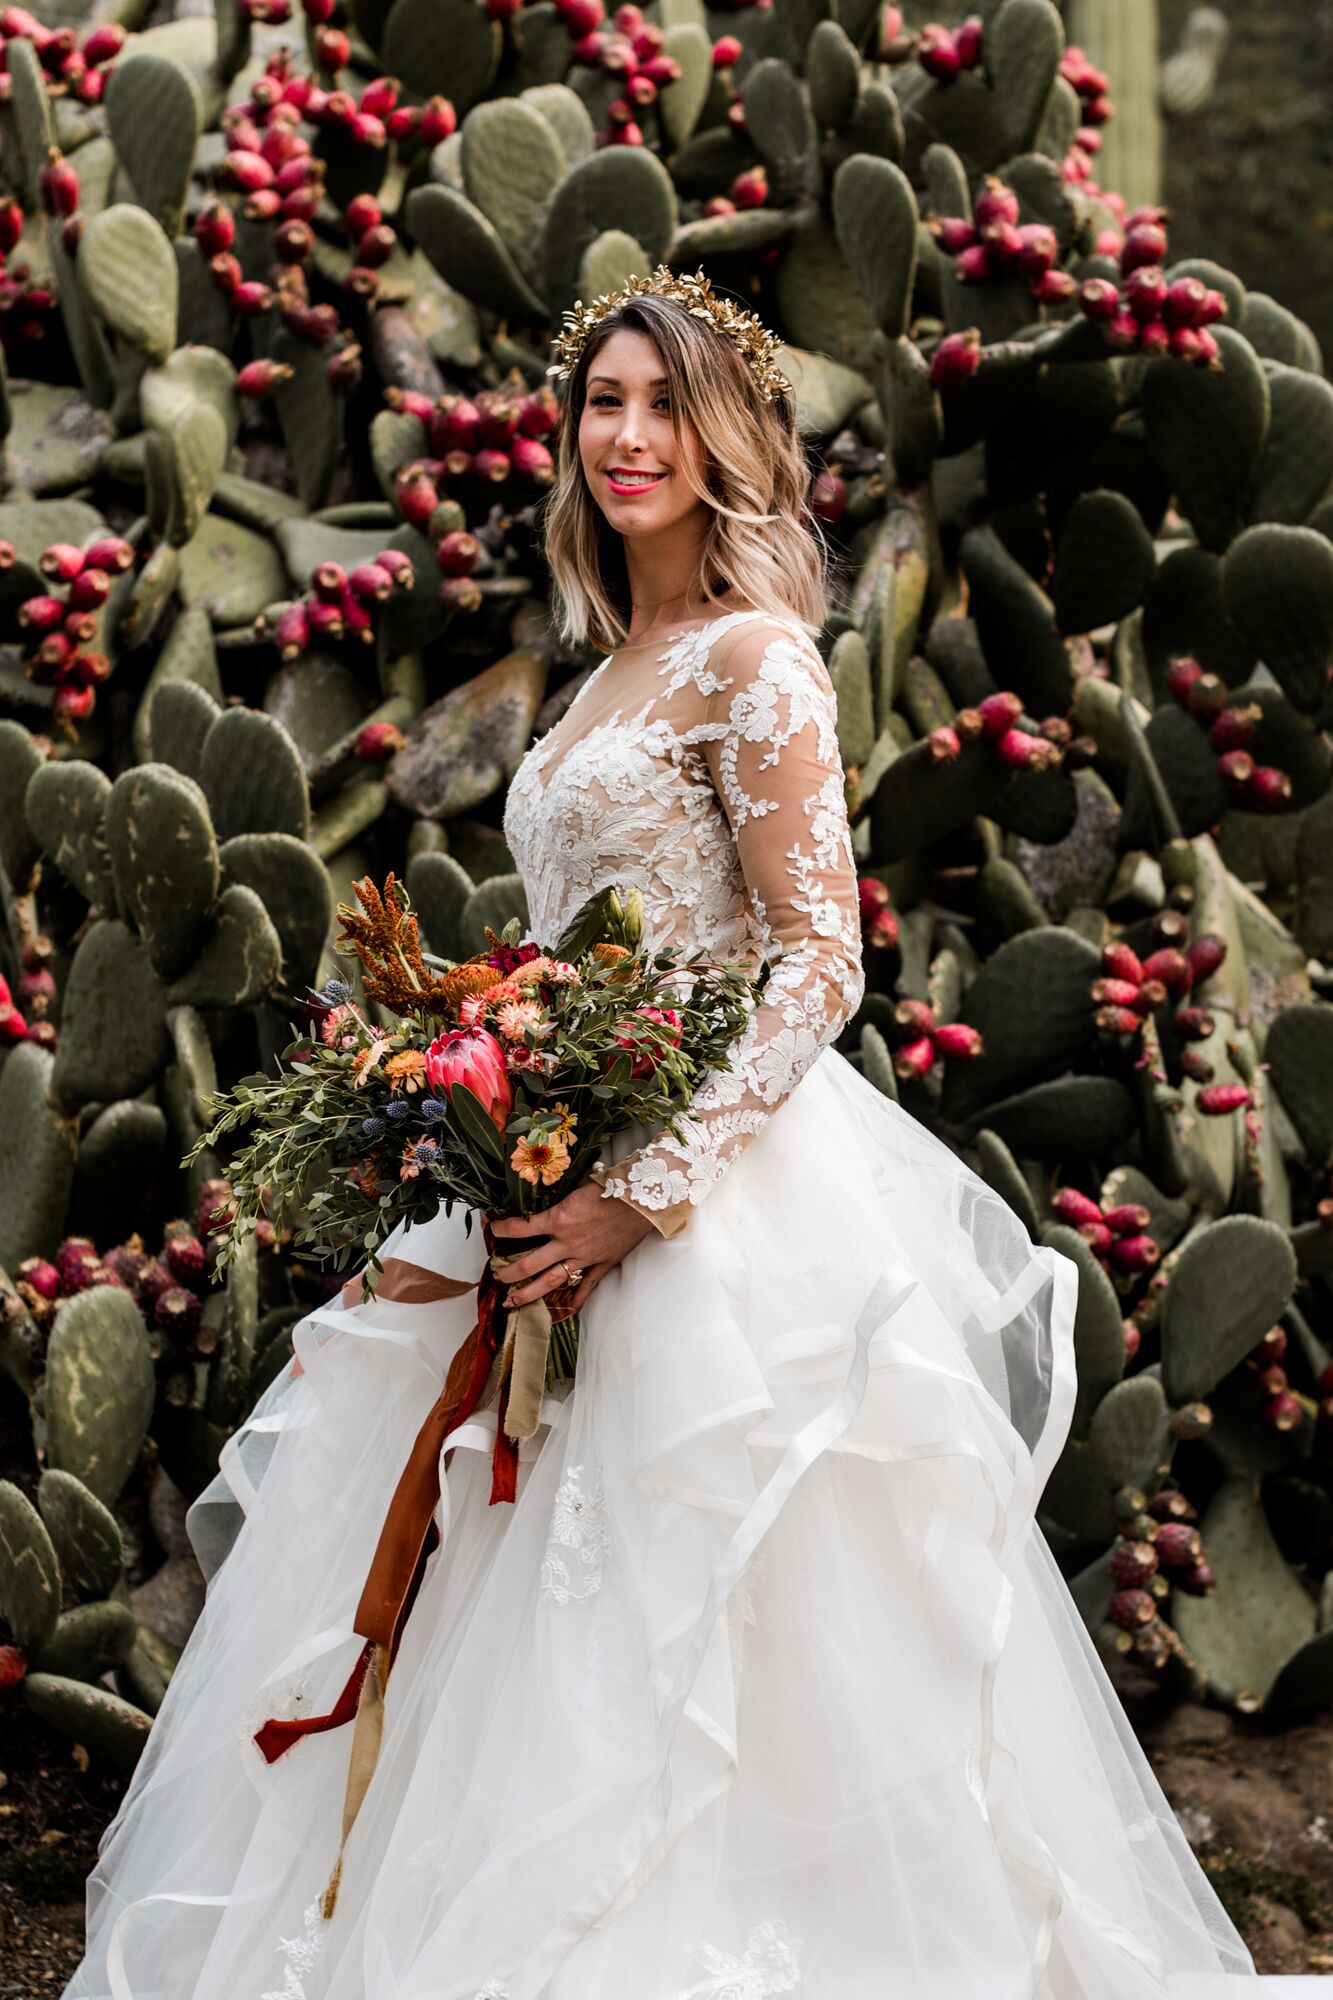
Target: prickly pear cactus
<point x="276" y="433"/>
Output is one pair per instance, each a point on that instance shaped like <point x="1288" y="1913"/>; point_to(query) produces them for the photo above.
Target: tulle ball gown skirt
<point x="766" y="1683"/>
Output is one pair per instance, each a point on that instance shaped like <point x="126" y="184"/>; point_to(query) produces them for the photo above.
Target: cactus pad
<point x="1229" y="1284"/>
<point x="113" y="1036"/>
<point x="1258" y="1615"/>
<point x="84" y="1533"/>
<point x="128" y="269"/>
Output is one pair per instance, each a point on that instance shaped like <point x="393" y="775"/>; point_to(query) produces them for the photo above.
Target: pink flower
<point x="641" y="1047"/>
<point x="472" y="1057"/>
<point x="339" y="1028"/>
<point x="517" y="1015"/>
<point x="472" y="1010"/>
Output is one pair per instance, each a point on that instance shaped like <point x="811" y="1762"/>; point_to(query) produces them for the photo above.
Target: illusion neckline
<point x="694" y="632"/>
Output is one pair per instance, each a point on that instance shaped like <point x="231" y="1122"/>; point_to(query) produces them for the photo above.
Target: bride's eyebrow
<point x="614" y="380"/>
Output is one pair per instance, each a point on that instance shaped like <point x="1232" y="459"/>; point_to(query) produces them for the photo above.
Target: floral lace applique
<point x="300" y="1954"/>
<point x="770" y="1965"/>
<point x="494" y="1989"/>
<point x="716" y="788"/>
<point x="578" y="1525"/>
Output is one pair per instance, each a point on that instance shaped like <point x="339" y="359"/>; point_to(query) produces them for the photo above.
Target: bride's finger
<point x="592" y="1277"/>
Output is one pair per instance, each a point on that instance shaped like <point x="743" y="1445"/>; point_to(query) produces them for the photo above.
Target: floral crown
<point x="696" y="294"/>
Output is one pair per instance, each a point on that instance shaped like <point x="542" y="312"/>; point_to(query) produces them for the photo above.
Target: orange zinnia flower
<point x="538" y="1158"/>
<point x="408" y="1069"/>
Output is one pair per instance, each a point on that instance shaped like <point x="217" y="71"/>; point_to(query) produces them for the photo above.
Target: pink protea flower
<point x="472" y="1057"/>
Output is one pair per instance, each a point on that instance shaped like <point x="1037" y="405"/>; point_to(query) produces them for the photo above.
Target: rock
<point x="462" y="748"/>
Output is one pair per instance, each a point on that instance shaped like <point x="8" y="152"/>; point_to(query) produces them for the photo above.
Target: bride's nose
<point x="629" y="436"/>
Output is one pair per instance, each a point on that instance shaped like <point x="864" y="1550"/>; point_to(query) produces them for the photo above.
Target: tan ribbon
<point x="526" y="1344"/>
<point x="367" y="1731"/>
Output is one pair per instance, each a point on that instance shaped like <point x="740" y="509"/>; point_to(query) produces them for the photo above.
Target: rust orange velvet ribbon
<point x="409" y="1534"/>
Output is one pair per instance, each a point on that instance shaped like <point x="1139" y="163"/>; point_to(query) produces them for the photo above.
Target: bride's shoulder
<point x="768" y="644"/>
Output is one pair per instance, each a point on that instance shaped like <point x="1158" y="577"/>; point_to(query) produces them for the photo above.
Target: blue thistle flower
<point x="433" y="1109"/>
<point x="427" y="1152"/>
<point x="399" y="1108"/>
<point x="373" y="1128"/>
<point x="337" y="992"/>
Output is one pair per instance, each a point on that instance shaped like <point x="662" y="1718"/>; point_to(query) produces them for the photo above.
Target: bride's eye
<point x="607" y="397"/>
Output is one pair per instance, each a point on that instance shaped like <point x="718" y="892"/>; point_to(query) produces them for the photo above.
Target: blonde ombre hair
<point x="762" y="537"/>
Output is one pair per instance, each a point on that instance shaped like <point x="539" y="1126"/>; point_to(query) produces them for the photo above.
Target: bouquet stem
<point x="563" y="1351"/>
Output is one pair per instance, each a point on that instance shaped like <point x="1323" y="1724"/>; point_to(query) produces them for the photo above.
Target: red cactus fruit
<point x="59" y="184"/>
<point x="1099" y="299"/>
<point x="1268" y="786"/>
<point x="999" y="713"/>
<point x="937" y="53"/>
<point x="41" y="1275"/>
<point x="1178" y="1545"/>
<point x="61" y="562"/>
<point x="378" y="742"/>
<point x="215" y="228"/>
<point x="78" y="1264"/>
<point x="1283" y="1413"/>
<point x="956" y="1041"/>
<point x="1135" y="1253"/>
<point x="944" y="744"/>
<point x="185" y="1258"/>
<point x="1133" y="1609"/>
<point x="750" y="189"/>
<point x="177" y="1311"/>
<point x="956" y="359"/>
<point x="1128" y="1218"/>
<point x="1116" y="993"/>
<point x="953" y="233"/>
<point x="1172" y="968"/>
<point x="1122" y="963"/>
<point x="967" y="37"/>
<point x="259" y="378"/>
<point x="1071" y="1205"/>
<point x="915" y="1059"/>
<point x="973" y="265"/>
<point x="1133" y="1563"/>
<point x="1144" y="244"/>
<point x="13" y="1666"/>
<point x="1216" y="1100"/>
<point x="872" y="895"/>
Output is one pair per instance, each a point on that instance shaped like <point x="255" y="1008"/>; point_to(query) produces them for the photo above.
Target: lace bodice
<point x="708" y="777"/>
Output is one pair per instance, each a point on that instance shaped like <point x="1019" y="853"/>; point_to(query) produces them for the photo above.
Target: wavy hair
<point x="762" y="537"/>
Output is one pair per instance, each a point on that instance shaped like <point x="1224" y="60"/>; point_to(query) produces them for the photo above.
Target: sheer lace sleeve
<point x="770" y="742"/>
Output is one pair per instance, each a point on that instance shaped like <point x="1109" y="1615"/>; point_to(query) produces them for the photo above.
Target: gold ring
<point x="575" y="1274"/>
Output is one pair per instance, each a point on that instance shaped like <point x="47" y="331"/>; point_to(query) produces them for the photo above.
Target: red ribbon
<point x="409" y="1534"/>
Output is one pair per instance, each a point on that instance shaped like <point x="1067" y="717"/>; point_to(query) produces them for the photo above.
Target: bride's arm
<point x="771" y="745"/>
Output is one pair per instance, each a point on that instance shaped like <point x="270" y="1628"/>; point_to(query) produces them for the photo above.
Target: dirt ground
<point x="1257" y="1806"/>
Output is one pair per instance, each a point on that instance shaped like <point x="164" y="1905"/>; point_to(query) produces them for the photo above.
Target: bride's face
<point x="626" y="427"/>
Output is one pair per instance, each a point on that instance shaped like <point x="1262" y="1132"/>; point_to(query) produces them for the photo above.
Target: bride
<point x="766" y="1682"/>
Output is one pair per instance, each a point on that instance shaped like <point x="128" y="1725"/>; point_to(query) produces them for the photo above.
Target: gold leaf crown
<point x="696" y="294"/>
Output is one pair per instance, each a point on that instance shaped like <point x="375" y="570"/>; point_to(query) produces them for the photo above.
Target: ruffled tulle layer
<point x="766" y="1682"/>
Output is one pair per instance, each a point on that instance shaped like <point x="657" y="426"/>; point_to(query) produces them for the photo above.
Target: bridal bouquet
<point x="493" y="1082"/>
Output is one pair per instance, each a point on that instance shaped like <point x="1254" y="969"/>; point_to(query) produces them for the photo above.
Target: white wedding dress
<point x="766" y="1683"/>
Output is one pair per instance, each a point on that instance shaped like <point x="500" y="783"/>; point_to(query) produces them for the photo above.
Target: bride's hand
<point x="592" y="1230"/>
